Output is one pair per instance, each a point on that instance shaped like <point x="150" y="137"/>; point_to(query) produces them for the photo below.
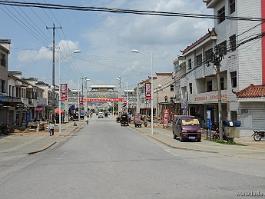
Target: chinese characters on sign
<point x="103" y="99"/>
<point x="148" y="91"/>
<point x="64" y="92"/>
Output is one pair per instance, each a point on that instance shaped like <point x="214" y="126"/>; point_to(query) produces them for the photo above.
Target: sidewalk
<point x="165" y="136"/>
<point x="30" y="142"/>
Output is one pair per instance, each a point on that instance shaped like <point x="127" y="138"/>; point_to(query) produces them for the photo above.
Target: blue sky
<point x="105" y="39"/>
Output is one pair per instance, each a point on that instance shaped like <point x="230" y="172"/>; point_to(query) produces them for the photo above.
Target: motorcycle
<point x="216" y="135"/>
<point x="5" y="129"/>
<point x="258" y="135"/>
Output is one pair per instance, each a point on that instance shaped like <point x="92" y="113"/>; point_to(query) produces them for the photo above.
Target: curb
<point x="172" y="146"/>
<point x="43" y="149"/>
<point x="181" y="148"/>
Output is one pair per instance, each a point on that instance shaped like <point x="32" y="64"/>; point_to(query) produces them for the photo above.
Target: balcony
<point x="42" y="102"/>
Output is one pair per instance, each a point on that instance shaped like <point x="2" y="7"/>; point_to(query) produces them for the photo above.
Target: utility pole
<point x="53" y="58"/>
<point x="216" y="60"/>
<point x="137" y="99"/>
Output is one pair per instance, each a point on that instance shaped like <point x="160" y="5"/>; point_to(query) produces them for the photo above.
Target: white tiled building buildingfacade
<point x="241" y="66"/>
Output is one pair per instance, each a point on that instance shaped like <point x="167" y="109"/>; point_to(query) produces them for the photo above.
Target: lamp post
<point x="137" y="99"/>
<point x="119" y="92"/>
<point x="82" y="94"/>
<point x="152" y="88"/>
<point x="87" y="80"/>
<point x="157" y="99"/>
<point x="60" y="97"/>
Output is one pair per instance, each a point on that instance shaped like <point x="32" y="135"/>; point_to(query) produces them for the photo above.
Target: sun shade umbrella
<point x="58" y="111"/>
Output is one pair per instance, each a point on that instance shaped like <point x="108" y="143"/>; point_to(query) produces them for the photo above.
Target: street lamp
<point x="87" y="80"/>
<point x="157" y="99"/>
<point x="152" y="88"/>
<point x="119" y="92"/>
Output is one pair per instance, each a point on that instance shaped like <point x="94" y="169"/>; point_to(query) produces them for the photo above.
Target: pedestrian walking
<point x="51" y="128"/>
<point x="86" y="119"/>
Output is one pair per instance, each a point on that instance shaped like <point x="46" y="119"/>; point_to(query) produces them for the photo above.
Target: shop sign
<point x="148" y="91"/>
<point x="209" y="98"/>
<point x="64" y="92"/>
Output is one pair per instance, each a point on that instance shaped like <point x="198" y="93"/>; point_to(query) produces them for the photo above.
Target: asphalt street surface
<point x="105" y="160"/>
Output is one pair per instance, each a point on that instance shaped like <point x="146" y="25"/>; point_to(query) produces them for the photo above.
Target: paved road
<point x="108" y="161"/>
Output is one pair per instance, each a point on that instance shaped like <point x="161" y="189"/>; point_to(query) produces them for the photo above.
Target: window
<point x="222" y="83"/>
<point x="232" y="6"/>
<point x="17" y="94"/>
<point x="209" y="86"/>
<point x="190" y="86"/>
<point x="233" y="115"/>
<point x="172" y="87"/>
<point x="199" y="60"/>
<point x="13" y="91"/>
<point x="208" y="55"/>
<point x="222" y="48"/>
<point x="10" y="91"/>
<point x="233" y="79"/>
<point x="2" y="86"/>
<point x="221" y="15"/>
<point x="232" y="41"/>
<point x="189" y="64"/>
<point x="3" y="60"/>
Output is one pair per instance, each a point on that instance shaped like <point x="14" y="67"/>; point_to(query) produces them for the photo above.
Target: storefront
<point x="252" y="107"/>
<point x="200" y="104"/>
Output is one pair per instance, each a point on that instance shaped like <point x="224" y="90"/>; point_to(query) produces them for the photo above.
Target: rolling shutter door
<point x="258" y="119"/>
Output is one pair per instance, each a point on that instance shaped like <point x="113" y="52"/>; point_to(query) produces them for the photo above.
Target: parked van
<point x="186" y="127"/>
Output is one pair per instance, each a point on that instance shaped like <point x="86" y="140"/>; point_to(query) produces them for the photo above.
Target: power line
<point x="37" y="15"/>
<point x="255" y="37"/>
<point x="123" y="11"/>
<point x="22" y="24"/>
<point x="251" y="28"/>
<point x="30" y="23"/>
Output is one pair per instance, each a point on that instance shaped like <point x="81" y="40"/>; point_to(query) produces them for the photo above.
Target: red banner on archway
<point x="103" y="99"/>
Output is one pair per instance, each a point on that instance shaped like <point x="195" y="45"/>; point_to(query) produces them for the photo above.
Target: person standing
<point x="86" y="119"/>
<point x="51" y="128"/>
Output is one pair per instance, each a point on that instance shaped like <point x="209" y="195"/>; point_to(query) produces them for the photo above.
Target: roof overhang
<point x="211" y="38"/>
<point x="256" y="99"/>
<point x="210" y="3"/>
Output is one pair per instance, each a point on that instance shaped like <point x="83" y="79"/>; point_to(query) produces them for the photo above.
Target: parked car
<point x="186" y="127"/>
<point x="100" y="115"/>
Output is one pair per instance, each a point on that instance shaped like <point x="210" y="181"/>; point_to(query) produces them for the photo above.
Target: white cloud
<point x="165" y="36"/>
<point x="66" y="47"/>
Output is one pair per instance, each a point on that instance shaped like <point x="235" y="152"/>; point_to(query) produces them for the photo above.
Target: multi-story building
<point x="243" y="63"/>
<point x="45" y="103"/>
<point x="196" y="79"/>
<point x="6" y="110"/>
<point x="164" y="94"/>
<point x="179" y="72"/>
<point x="28" y="98"/>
